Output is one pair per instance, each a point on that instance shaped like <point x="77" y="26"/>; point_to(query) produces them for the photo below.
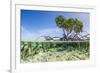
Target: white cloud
<point x="51" y="32"/>
<point x="30" y="36"/>
<point x="26" y="35"/>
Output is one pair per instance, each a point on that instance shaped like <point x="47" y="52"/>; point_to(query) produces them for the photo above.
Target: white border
<point x="16" y="66"/>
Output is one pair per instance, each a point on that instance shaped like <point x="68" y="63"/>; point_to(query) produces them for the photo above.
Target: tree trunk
<point x="65" y="36"/>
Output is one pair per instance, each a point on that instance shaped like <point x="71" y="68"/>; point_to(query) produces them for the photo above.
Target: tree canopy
<point x="68" y="25"/>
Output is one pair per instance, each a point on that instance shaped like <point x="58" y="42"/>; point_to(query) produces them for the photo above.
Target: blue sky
<point x="35" y="23"/>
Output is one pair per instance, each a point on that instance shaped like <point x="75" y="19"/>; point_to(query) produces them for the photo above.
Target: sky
<point x="35" y="24"/>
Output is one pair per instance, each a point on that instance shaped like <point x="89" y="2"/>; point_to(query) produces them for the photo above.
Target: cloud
<point x="26" y="35"/>
<point x="51" y="32"/>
